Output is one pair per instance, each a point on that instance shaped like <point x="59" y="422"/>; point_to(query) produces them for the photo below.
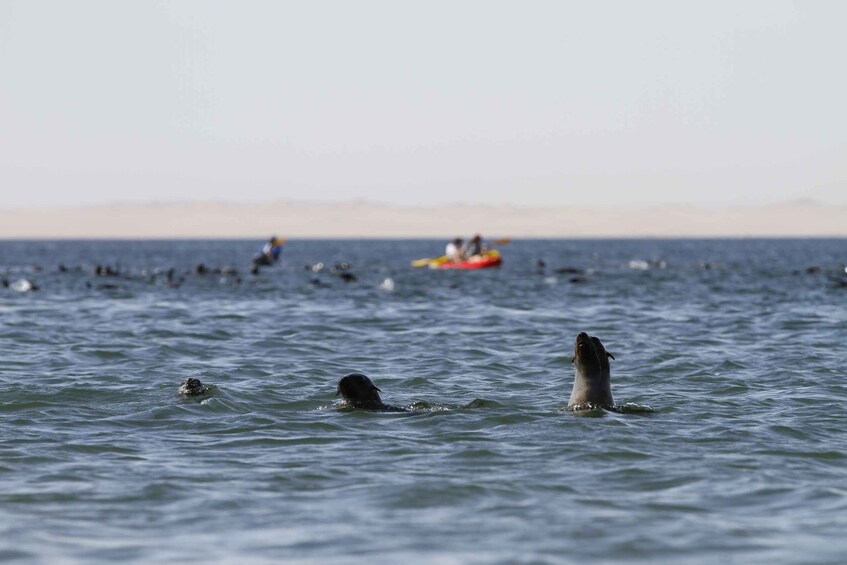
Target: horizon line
<point x="799" y="201"/>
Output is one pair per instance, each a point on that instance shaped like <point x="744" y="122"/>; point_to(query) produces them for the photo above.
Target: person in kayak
<point x="455" y="250"/>
<point x="270" y="252"/>
<point x="273" y="248"/>
<point x="475" y="246"/>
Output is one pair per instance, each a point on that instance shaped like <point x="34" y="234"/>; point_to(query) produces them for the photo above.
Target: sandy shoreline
<point x="360" y="219"/>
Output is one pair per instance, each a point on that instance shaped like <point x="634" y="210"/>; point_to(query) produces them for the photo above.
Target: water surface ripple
<point x="737" y="346"/>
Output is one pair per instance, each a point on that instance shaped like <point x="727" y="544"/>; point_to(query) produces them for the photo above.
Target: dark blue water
<point x="736" y="346"/>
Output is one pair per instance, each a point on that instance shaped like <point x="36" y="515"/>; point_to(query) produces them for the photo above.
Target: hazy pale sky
<point x="529" y="103"/>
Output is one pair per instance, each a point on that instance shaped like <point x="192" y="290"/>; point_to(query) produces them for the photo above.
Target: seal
<point x="359" y="391"/>
<point x="192" y="387"/>
<point x="592" y="386"/>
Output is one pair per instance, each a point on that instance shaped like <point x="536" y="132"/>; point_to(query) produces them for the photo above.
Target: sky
<point x="420" y="103"/>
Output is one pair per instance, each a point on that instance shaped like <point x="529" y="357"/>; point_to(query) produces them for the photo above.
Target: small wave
<point x="634" y="408"/>
<point x="424" y="406"/>
<point x="591" y="410"/>
<point x="417" y="382"/>
<point x="482" y="403"/>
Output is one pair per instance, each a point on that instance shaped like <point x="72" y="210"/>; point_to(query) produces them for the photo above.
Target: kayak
<point x="489" y="258"/>
<point x="485" y="260"/>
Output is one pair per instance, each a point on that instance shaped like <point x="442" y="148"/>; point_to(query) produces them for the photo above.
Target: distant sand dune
<point x="367" y="219"/>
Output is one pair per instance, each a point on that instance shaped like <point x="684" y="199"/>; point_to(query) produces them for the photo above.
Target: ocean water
<point x="733" y="351"/>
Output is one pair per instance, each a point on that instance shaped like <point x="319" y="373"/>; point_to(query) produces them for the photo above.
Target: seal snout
<point x="582" y="341"/>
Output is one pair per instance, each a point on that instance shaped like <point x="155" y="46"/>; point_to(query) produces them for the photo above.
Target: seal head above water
<point x="592" y="386"/>
<point x="360" y="392"/>
<point x="192" y="387"/>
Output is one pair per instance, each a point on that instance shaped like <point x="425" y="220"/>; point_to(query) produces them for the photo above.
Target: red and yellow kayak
<point x="490" y="258"/>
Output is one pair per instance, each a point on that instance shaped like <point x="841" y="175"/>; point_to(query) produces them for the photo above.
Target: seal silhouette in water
<point x="592" y="386"/>
<point x="192" y="387"/>
<point x="360" y="392"/>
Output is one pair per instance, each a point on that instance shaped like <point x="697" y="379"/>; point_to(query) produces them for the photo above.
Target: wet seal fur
<point x="192" y="387"/>
<point x="359" y="391"/>
<point x="592" y="388"/>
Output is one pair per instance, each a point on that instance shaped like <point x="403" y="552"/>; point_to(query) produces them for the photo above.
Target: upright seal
<point x="592" y="386"/>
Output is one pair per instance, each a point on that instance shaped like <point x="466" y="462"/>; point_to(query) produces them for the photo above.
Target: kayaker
<point x="454" y="250"/>
<point x="273" y="248"/>
<point x="270" y="252"/>
<point x="475" y="246"/>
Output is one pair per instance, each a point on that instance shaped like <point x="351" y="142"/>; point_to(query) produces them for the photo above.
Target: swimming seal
<point x="360" y="392"/>
<point x="592" y="386"/>
<point x="192" y="387"/>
